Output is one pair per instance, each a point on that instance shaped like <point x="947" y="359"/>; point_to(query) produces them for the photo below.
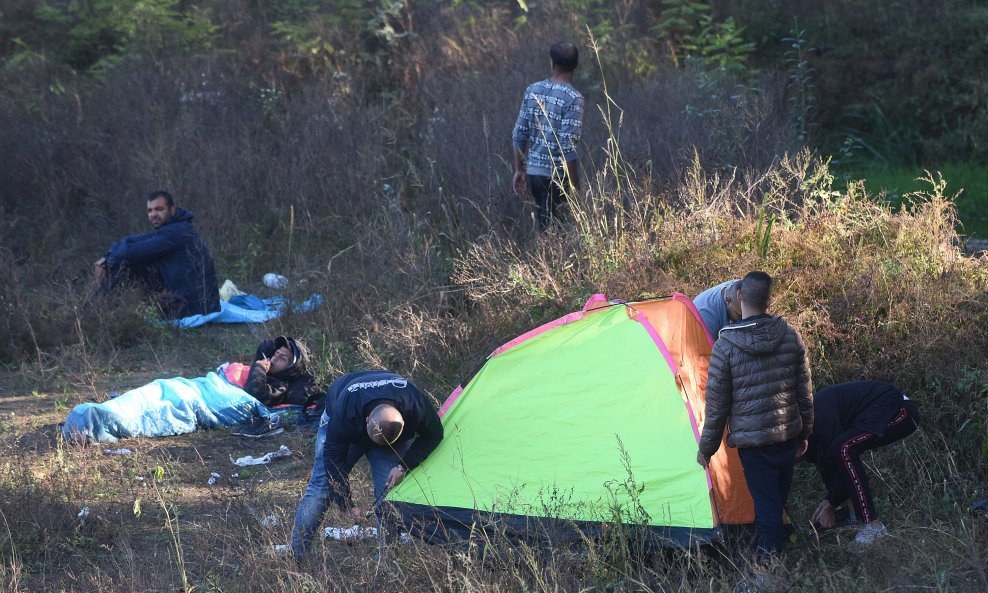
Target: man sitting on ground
<point x="852" y="418"/>
<point x="374" y="413"/>
<point x="719" y="306"/>
<point x="171" y="262"/>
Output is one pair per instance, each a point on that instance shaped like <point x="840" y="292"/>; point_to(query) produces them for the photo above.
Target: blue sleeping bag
<point x="161" y="408"/>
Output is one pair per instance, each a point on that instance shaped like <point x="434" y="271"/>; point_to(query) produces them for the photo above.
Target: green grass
<point x="971" y="181"/>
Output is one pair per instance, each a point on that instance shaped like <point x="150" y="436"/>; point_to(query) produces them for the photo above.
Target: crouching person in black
<point x="852" y="418"/>
<point x="374" y="413"/>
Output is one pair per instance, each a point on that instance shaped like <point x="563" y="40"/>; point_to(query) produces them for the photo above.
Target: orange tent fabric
<point x="679" y="325"/>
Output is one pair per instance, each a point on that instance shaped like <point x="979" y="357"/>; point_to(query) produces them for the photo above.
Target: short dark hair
<point x="162" y="194"/>
<point x="565" y="56"/>
<point x="756" y="290"/>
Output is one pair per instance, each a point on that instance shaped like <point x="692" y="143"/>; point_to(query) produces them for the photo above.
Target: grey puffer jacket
<point x="759" y="378"/>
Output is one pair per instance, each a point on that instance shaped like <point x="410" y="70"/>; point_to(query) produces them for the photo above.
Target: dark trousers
<point x="768" y="473"/>
<point x="845" y="453"/>
<point x="549" y="195"/>
<point x="147" y="279"/>
<point x="145" y="276"/>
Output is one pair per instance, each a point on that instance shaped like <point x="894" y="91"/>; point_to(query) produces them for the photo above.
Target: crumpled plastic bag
<point x="229" y="290"/>
<point x="359" y="533"/>
<point x="352" y="533"/>
<point x="248" y="460"/>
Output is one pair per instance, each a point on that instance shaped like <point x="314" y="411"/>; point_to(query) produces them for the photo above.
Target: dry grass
<point x="396" y="206"/>
<point x="876" y="293"/>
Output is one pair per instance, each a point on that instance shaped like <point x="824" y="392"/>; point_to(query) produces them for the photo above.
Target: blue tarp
<point x="247" y="308"/>
<point x="163" y="407"/>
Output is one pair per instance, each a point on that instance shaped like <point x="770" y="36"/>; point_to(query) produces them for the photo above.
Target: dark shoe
<point x="262" y="426"/>
<point x="846" y="519"/>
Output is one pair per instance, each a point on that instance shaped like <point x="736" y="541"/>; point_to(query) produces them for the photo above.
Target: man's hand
<point x="824" y="516"/>
<point x="801" y="449"/>
<point x="100" y="271"/>
<point x="520" y="182"/>
<point x="702" y="459"/>
<point x="395" y="477"/>
<point x="264" y="364"/>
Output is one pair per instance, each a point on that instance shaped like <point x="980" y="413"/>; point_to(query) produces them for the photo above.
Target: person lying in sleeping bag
<point x="178" y="405"/>
<point x="279" y="376"/>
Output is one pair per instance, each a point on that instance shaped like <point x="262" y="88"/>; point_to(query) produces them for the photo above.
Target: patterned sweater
<point x="549" y="125"/>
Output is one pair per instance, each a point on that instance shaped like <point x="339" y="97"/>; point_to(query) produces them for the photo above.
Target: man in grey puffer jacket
<point x="759" y="384"/>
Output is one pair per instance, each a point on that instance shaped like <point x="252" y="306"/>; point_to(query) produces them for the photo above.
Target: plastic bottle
<point x="272" y="280"/>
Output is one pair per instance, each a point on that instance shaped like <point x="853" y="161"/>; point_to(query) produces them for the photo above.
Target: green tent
<point x="581" y="422"/>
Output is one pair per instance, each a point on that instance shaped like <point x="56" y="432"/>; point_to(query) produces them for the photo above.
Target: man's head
<point x="384" y="425"/>
<point x="565" y="57"/>
<point x="756" y="293"/>
<point x="732" y="301"/>
<point x="281" y="360"/>
<point x="161" y="208"/>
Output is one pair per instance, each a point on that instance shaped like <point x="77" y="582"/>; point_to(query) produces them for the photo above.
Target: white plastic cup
<point x="272" y="280"/>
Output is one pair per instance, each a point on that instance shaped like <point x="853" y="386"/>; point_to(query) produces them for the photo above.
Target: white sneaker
<point x="870" y="533"/>
<point x="758" y="582"/>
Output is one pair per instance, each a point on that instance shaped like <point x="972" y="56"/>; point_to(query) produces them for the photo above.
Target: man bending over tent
<point x="718" y="306"/>
<point x="852" y="418"/>
<point x="374" y="413"/>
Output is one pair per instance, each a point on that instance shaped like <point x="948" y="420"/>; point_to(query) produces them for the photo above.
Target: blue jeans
<point x="315" y="500"/>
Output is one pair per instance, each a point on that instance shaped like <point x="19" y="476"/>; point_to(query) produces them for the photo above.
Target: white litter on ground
<point x="82" y="516"/>
<point x="248" y="460"/>
<point x="212" y="478"/>
<point x="269" y="521"/>
<point x="352" y="533"/>
<point x="359" y="533"/>
<point x="117" y="451"/>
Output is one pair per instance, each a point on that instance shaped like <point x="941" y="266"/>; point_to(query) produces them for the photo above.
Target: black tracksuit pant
<point x="843" y="458"/>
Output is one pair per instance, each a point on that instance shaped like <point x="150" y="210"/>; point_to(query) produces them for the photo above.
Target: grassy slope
<point x="146" y="506"/>
<point x="155" y="524"/>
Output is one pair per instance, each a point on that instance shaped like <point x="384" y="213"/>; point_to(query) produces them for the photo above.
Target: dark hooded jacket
<point x="350" y="400"/>
<point x="847" y="409"/>
<point x="181" y="260"/>
<point x="759" y="381"/>
<point x="294" y="385"/>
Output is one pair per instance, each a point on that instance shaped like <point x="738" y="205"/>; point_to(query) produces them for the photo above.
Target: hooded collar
<point x="759" y="334"/>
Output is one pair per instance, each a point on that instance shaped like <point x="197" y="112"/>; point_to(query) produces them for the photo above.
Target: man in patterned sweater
<point x="546" y="134"/>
